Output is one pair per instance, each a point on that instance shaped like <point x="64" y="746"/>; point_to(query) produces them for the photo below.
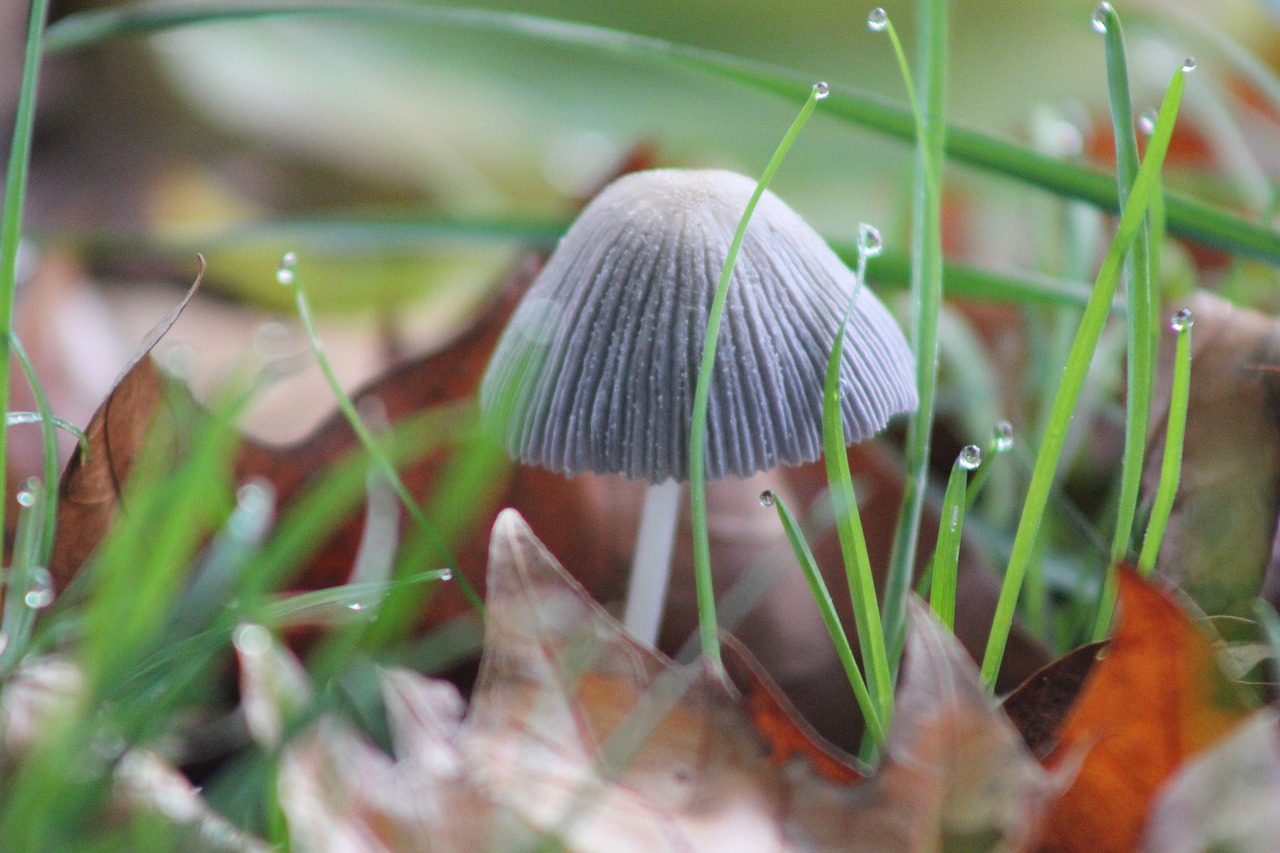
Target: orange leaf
<point x="1154" y="701"/>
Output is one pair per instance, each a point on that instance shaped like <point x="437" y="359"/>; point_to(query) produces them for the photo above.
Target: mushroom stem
<point x="651" y="566"/>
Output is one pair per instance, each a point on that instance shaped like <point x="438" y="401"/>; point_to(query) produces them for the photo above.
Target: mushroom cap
<point x="597" y="367"/>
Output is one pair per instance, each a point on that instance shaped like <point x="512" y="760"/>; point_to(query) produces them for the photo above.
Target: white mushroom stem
<point x="651" y="567"/>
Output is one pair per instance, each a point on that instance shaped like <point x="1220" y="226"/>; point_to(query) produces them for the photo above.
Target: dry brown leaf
<point x="575" y="730"/>
<point x="1155" y="700"/>
<point x="1226" y="798"/>
<point x="1039" y="705"/>
<point x="91" y="485"/>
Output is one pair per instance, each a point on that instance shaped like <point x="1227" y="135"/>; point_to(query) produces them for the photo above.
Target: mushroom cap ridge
<point x="597" y="367"/>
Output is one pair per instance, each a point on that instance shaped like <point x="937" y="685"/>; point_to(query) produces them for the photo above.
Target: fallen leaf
<point x="956" y="775"/>
<point x="92" y="483"/>
<point x="1038" y="706"/>
<point x="1219" y="536"/>
<point x="1226" y="798"/>
<point x="576" y="731"/>
<point x="580" y="736"/>
<point x="1155" y="700"/>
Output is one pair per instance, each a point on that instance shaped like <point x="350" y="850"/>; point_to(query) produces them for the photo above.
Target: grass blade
<point x="1082" y="348"/>
<point x="707" y="631"/>
<point x="1188" y="217"/>
<point x="822" y="597"/>
<point x="15" y="191"/>
<point x="844" y="505"/>
<point x="1175" y="432"/>
<point x="946" y="557"/>
<point x="1141" y="341"/>
<point x="926" y="297"/>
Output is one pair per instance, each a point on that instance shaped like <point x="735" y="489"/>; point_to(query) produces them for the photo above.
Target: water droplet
<point x="40" y="592"/>
<point x="821" y="90"/>
<point x="970" y="457"/>
<point x="251" y="639"/>
<point x="287" y="272"/>
<point x="1182" y="320"/>
<point x="1147" y="121"/>
<point x="355" y="605"/>
<point x="179" y="361"/>
<point x="1188" y="65"/>
<point x="256" y="496"/>
<point x="1100" y="16"/>
<point x="870" y="243"/>
<point x="768" y="498"/>
<point x="26" y="498"/>
<point x="878" y="20"/>
<point x="1002" y="436"/>
<point x="446" y="574"/>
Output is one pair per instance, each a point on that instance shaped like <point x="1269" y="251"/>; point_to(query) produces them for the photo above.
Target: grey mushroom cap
<point x="597" y="367"/>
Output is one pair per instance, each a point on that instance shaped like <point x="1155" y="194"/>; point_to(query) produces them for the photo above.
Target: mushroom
<point x="597" y="367"/>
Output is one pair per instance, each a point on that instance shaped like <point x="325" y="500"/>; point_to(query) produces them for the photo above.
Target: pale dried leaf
<point x="1226" y="798"/>
<point x="956" y="774"/>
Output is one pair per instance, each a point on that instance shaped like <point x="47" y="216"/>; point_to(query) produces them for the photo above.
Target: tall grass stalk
<point x="926" y="293"/>
<point x="1081" y="354"/>
<point x="708" y="633"/>
<point x="1140" y="329"/>
<point x="848" y="519"/>
<point x="288" y="275"/>
<point x="15" y="191"/>
<point x="946" y="556"/>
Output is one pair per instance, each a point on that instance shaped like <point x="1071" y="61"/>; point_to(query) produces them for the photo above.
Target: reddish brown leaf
<point x="91" y="485"/>
<point x="1156" y="699"/>
<point x="1038" y="706"/>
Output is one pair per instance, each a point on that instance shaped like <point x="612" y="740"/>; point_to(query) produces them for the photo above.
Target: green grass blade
<point x="707" y="631"/>
<point x="822" y="597"/>
<point x="926" y="299"/>
<point x="15" y="191"/>
<point x="946" y="557"/>
<point x="44" y="416"/>
<point x="1141" y="339"/>
<point x="848" y="520"/>
<point x="1175" y="432"/>
<point x="288" y="276"/>
<point x="27" y="586"/>
<point x="1082" y="349"/>
<point x="1188" y="217"/>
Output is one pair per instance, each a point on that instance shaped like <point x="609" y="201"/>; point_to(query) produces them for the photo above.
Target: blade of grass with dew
<point x="1082" y="348"/>
<point x="1188" y="217"/>
<point x="309" y="519"/>
<point x="15" y="190"/>
<point x="49" y="455"/>
<point x="288" y="276"/>
<point x="17" y="418"/>
<point x="1001" y="442"/>
<point x="707" y="630"/>
<point x="1175" y="432"/>
<point x="357" y="235"/>
<point x="946" y="557"/>
<point x="827" y="609"/>
<point x="24" y="591"/>
<point x="1140" y="326"/>
<point x="926" y="294"/>
<point x="844" y="505"/>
